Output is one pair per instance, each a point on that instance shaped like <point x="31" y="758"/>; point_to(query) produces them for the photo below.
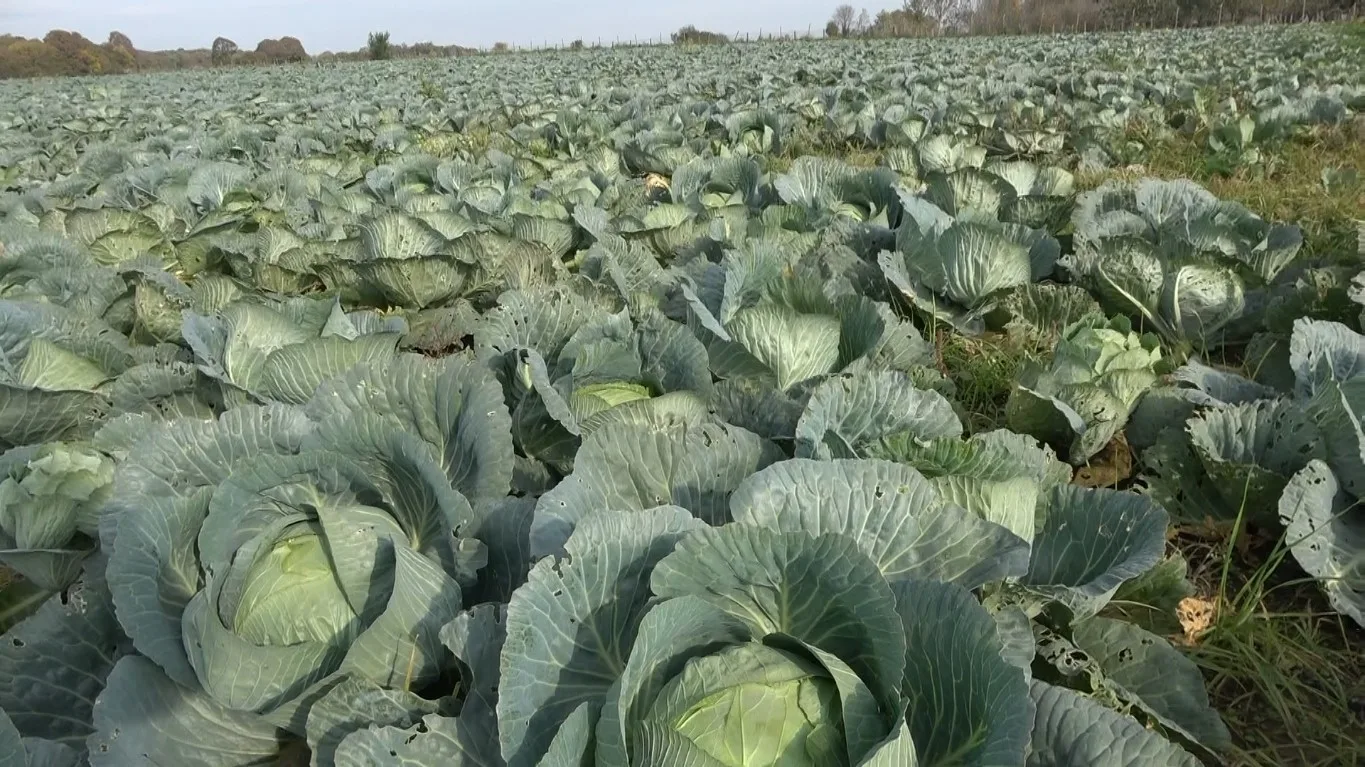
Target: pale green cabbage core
<point x="60" y="493"/>
<point x="755" y="725"/>
<point x="756" y="706"/>
<point x="68" y="471"/>
<point x="590" y="400"/>
<point x="794" y="346"/>
<point x="291" y="595"/>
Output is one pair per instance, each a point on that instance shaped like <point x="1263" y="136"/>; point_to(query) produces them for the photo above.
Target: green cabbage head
<point x="331" y="555"/>
<point x="755" y="705"/>
<point x="1084" y="398"/>
<point x="50" y="497"/>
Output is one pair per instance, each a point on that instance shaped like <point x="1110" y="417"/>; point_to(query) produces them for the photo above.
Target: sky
<point x="168" y="24"/>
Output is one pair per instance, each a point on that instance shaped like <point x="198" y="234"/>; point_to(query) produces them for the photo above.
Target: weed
<point x="1353" y="34"/>
<point x="1283" y="670"/>
<point x="984" y="370"/>
<point x="799" y="145"/>
<point x="431" y="90"/>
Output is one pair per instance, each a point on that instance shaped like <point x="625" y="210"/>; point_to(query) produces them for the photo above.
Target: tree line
<point x="66" y="53"/>
<point x="933" y="17"/>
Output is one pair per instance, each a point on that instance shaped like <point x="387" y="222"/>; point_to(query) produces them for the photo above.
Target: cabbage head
<point x="823" y="612"/>
<point x="302" y="558"/>
<point x="754" y="704"/>
<point x="1084" y="398"/>
<point x="283" y="352"/>
<point x="568" y="367"/>
<point x="954" y="255"/>
<point x="50" y="496"/>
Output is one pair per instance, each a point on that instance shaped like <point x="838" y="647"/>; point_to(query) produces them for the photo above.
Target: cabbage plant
<point x="1174" y="257"/>
<point x="281" y="353"/>
<point x="569" y="366"/>
<point x="954" y="257"/>
<point x="773" y="327"/>
<point x="1082" y="399"/>
<point x="817" y="594"/>
<point x="825" y="187"/>
<point x="1231" y="447"/>
<point x="1324" y="526"/>
<point x="50" y="498"/>
<point x="1042" y="194"/>
<point x="315" y="559"/>
<point x="60" y="369"/>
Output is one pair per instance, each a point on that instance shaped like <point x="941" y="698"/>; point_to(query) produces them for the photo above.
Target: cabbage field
<point x="607" y="407"/>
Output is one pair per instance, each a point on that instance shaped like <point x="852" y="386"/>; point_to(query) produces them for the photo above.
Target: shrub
<point x="690" y="35"/>
<point x="285" y="49"/>
<point x="378" y="46"/>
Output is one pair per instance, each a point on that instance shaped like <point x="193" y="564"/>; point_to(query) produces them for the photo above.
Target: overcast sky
<point x="343" y="25"/>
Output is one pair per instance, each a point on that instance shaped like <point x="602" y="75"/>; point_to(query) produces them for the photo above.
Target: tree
<point x="20" y="57"/>
<point x="832" y="29"/>
<point x="120" y="41"/>
<point x="223" y="51"/>
<point x="378" y="46"/>
<point x="79" y="55"/>
<point x="863" y="23"/>
<point x="122" y="52"/>
<point x="844" y="18"/>
<point x="942" y="13"/>
<point x="910" y="20"/>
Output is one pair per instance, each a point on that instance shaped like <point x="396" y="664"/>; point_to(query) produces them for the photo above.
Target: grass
<point x="1286" y="186"/>
<point x="1353" y="33"/>
<point x="799" y="146"/>
<point x="1286" y="672"/>
<point x="1283" y="669"/>
<point x="984" y="370"/>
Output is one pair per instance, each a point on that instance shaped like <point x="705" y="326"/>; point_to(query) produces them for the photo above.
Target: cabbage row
<point x="397" y="414"/>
